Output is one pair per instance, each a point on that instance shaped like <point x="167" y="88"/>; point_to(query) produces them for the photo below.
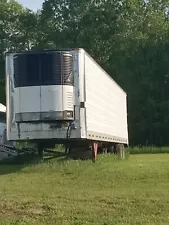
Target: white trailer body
<point x="94" y="104"/>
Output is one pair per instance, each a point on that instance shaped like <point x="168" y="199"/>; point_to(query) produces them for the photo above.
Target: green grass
<point x="132" y="191"/>
<point x="148" y="150"/>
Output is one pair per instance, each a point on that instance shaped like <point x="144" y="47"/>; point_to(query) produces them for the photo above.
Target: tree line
<point x="128" y="38"/>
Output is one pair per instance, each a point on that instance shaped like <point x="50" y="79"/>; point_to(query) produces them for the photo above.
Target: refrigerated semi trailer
<point x="64" y="97"/>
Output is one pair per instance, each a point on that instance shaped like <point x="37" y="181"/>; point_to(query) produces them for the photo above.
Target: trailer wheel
<point x="120" y="151"/>
<point x="111" y="149"/>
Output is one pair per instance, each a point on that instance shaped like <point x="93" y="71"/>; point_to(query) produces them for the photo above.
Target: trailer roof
<point x="44" y="50"/>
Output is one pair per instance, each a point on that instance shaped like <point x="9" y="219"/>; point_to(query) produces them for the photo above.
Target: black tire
<point x="111" y="149"/>
<point x="120" y="150"/>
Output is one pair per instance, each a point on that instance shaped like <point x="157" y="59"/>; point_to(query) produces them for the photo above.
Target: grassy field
<point x="148" y="150"/>
<point x="133" y="191"/>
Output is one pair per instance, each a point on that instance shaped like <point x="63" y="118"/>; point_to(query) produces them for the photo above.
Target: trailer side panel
<point x="106" y="111"/>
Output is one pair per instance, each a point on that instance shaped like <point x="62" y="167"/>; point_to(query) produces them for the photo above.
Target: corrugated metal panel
<point x="106" y="112"/>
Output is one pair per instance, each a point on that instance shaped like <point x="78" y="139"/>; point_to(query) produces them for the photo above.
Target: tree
<point x="130" y="40"/>
<point x="9" y="11"/>
<point x="17" y="32"/>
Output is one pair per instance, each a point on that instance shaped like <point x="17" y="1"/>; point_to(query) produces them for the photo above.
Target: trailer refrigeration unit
<point x="64" y="97"/>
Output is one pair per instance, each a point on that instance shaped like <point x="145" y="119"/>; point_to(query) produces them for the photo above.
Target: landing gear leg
<point x="94" y="151"/>
<point x="40" y="151"/>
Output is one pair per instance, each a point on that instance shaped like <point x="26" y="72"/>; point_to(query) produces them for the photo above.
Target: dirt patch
<point x="15" y="211"/>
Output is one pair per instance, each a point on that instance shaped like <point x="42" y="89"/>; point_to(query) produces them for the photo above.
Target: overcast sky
<point x="31" y="4"/>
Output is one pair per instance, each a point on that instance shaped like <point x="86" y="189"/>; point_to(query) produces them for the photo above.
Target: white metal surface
<point x="27" y="99"/>
<point x="10" y="98"/>
<point x="82" y="90"/>
<point x="106" y="111"/>
<point x="44" y="98"/>
<point x="2" y="108"/>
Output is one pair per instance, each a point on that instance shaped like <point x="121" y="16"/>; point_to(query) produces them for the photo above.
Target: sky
<point x="31" y="4"/>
